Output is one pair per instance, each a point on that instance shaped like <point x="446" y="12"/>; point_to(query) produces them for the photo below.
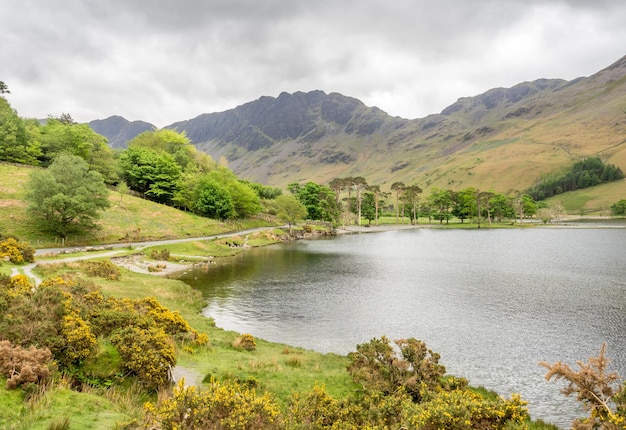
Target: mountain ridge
<point x="505" y="137"/>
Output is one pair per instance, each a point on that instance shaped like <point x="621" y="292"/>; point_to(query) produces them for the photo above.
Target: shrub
<point x="378" y="367"/>
<point x="23" y="366"/>
<point x="225" y="405"/>
<point x="160" y="254"/>
<point x="78" y="340"/>
<point x="18" y="252"/>
<point x="596" y="389"/>
<point x="18" y="285"/>
<point x="246" y="342"/>
<point x="146" y="353"/>
<point x="465" y="410"/>
<point x="103" y="269"/>
<point x="170" y="322"/>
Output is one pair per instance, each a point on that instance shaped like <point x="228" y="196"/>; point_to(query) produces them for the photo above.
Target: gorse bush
<point x="465" y="410"/>
<point x="66" y="317"/>
<point x="223" y="405"/>
<point x="378" y="367"/>
<point x="245" y="342"/>
<point x="103" y="269"/>
<point x="147" y="353"/>
<point x="18" y="252"/>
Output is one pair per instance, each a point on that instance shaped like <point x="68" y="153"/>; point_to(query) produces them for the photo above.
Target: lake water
<point x="493" y="303"/>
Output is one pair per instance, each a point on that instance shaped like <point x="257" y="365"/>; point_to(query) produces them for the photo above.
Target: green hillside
<point x="128" y="219"/>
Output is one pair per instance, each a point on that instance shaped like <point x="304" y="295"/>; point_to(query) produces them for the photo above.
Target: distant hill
<point x="118" y="130"/>
<point x="504" y="139"/>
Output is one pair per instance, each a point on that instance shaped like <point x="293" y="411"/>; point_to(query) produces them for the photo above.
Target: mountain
<point x="119" y="131"/>
<point x="504" y="139"/>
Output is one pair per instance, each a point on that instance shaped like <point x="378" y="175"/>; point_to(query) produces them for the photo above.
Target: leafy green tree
<point x="368" y="207"/>
<point x="440" y="202"/>
<point x="289" y="210"/>
<point x="464" y="204"/>
<point x="524" y="205"/>
<point x="63" y="135"/>
<point x="67" y="197"/>
<point x="412" y="199"/>
<point x="501" y="206"/>
<point x="154" y="174"/>
<point x="213" y="200"/>
<point x="619" y="208"/>
<point x="15" y="145"/>
<point x="319" y="200"/>
<point x="245" y="199"/>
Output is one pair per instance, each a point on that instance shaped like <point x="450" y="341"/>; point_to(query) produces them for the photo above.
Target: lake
<point x="492" y="302"/>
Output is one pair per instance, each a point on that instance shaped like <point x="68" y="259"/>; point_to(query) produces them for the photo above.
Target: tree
<point x="212" y="199"/>
<point x="289" y="210"/>
<point x="440" y="202"/>
<point x="63" y="136"/>
<point x="151" y="173"/>
<point x="378" y="195"/>
<point x="619" y="208"/>
<point x="245" y="199"/>
<point x="358" y="184"/>
<point x="398" y="187"/>
<point x="67" y="197"/>
<point x="465" y="204"/>
<point x="15" y="145"/>
<point x="501" y="207"/>
<point x="319" y="200"/>
<point x="411" y="197"/>
<point x="4" y="89"/>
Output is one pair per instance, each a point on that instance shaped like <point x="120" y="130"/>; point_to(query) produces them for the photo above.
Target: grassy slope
<point x="128" y="219"/>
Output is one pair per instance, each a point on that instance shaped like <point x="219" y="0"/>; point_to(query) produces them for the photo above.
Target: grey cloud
<point x="164" y="61"/>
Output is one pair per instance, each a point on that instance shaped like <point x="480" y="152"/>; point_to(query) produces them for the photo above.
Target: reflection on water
<point x="493" y="303"/>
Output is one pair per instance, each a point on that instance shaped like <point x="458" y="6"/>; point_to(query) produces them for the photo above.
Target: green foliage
<point x="213" y="200"/>
<point x="586" y="173"/>
<point x="377" y="367"/>
<point x="17" y="251"/>
<point x="67" y="197"/>
<point x="319" y="200"/>
<point x="289" y="209"/>
<point x="152" y="173"/>
<point x="225" y="405"/>
<point x="15" y="144"/>
<point x="619" y="208"/>
<point x="63" y="136"/>
<point x="245" y="199"/>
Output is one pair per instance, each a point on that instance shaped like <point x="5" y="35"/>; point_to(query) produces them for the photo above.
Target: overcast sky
<point x="163" y="61"/>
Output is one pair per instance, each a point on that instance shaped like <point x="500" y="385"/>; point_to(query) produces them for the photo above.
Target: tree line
<point x="583" y="174"/>
<point x="350" y="200"/>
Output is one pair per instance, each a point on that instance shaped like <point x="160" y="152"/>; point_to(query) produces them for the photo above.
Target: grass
<point x="129" y="219"/>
